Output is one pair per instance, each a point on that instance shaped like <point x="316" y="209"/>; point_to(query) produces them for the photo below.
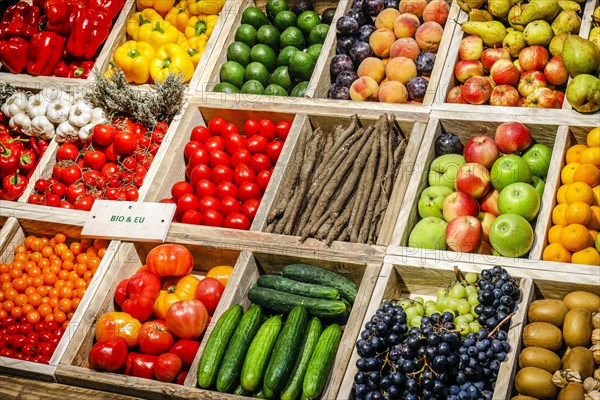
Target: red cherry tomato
<point x="70" y="174"/>
<point x="193" y="217"/>
<point x="124" y="142"/>
<point x="104" y="134"/>
<point x="84" y="202"/>
<point x="132" y="194"/>
<point x="209" y="203"/>
<point x="250" y="128"/>
<point x="250" y="207"/>
<point x="67" y="151"/>
<point x="241" y="157"/>
<point x="225" y="189"/>
<point x="257" y="144"/>
<point x="109" y="169"/>
<point x="266" y="128"/>
<point x="58" y="189"/>
<point x="109" y="151"/>
<point x="212" y="217"/>
<point x="187" y="202"/>
<point x="209" y="292"/>
<point x="215" y="143"/>
<point x="191" y="147"/>
<point x="248" y="190"/>
<point x="229" y="129"/>
<point x="243" y="173"/>
<point x="234" y="143"/>
<point x="200" y="156"/>
<point x="180" y="188"/>
<point x="129" y="163"/>
<point x="215" y="125"/>
<point x="74" y="191"/>
<point x="260" y="162"/>
<point x="273" y="150"/>
<point x="200" y="134"/>
<point x="237" y="221"/>
<point x="53" y="200"/>
<point x="168" y="201"/>
<point x="282" y="129"/>
<point x="41" y="185"/>
<point x="222" y="173"/>
<point x="199" y="172"/>
<point x="229" y="205"/>
<point x="218" y="157"/>
<point x="205" y="187"/>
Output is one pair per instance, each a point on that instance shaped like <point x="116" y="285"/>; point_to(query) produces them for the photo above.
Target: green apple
<point x="443" y="170"/>
<point x="521" y="199"/>
<point x="538" y="158"/>
<point x="432" y="201"/>
<point x="539" y="185"/>
<point x="510" y="169"/>
<point x="511" y="235"/>
<point x="429" y="233"/>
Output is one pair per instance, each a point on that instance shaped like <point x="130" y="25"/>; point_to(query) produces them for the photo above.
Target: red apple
<point x="482" y="150"/>
<point x="504" y="95"/>
<point x="485" y="249"/>
<point x="530" y="81"/>
<point x="465" y="69"/>
<point x="489" y="203"/>
<point x="490" y="56"/>
<point x="533" y="57"/>
<point x="470" y="48"/>
<point x="512" y="137"/>
<point x="486" y="220"/>
<point x="473" y="179"/>
<point x="504" y="72"/>
<point x="521" y="70"/>
<point x="542" y="98"/>
<point x="457" y="204"/>
<point x="555" y="71"/>
<point x="477" y="90"/>
<point x="455" y="95"/>
<point x="560" y="97"/>
<point x="464" y="234"/>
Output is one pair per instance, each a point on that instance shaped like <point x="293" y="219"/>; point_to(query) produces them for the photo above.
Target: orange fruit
<point x="578" y="191"/>
<point x="574" y="153"/>
<point x="566" y="175"/>
<point x="558" y="214"/>
<point x="587" y="173"/>
<point x="588" y="256"/>
<point x="594" y="222"/>
<point x="578" y="213"/>
<point x="591" y="156"/>
<point x="561" y="194"/>
<point x="556" y="252"/>
<point x="593" y="234"/>
<point x="593" y="138"/>
<point x="554" y="233"/>
<point x="596" y="192"/>
<point x="575" y="237"/>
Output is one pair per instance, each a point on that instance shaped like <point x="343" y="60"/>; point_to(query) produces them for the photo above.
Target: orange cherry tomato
<point x="60" y="238"/>
<point x="33" y="317"/>
<point x="44" y="310"/>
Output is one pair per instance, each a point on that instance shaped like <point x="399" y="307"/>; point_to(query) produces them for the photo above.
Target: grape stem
<point x="497" y="328"/>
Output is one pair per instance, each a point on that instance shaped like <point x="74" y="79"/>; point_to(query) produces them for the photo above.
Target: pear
<point x="595" y="36"/>
<point x="480" y="16"/>
<point x="583" y="93"/>
<point x="580" y="56"/>
<point x="556" y="44"/>
<point x="491" y="32"/>
<point x="514" y="42"/>
<point x="514" y="16"/>
<point x="468" y="5"/>
<point x="499" y="8"/>
<point x="596" y="15"/>
<point x="566" y="22"/>
<point x="539" y="9"/>
<point x="538" y="33"/>
<point x="569" y="5"/>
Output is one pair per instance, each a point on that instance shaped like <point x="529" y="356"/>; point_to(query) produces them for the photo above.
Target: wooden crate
<point x="74" y="368"/>
<point x="550" y="135"/>
<point x="14" y="233"/>
<point x="405" y="277"/>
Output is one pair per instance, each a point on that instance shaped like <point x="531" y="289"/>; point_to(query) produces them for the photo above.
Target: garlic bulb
<point x="595" y="395"/>
<point x="596" y="336"/>
<point x="590" y="384"/>
<point x="597" y="374"/>
<point x="596" y="320"/>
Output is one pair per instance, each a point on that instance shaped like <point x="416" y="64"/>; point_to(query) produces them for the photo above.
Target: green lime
<point x="299" y="90"/>
<point x="292" y="36"/>
<point x="265" y="55"/>
<point x="257" y="71"/>
<point x="269" y="35"/>
<point x="253" y="87"/>
<point x="307" y="21"/>
<point x="315" y="50"/>
<point x="255" y="17"/>
<point x="302" y="65"/>
<point x="225" y="87"/>
<point x="246" y="34"/>
<point x="274" y="7"/>
<point x="284" y="20"/>
<point x="239" y="52"/>
<point x="232" y="72"/>
<point x="275" y="90"/>
<point x="281" y="76"/>
<point x="318" y="34"/>
<point x="285" y="54"/>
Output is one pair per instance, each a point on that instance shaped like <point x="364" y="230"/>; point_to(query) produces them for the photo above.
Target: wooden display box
<point x="14" y="233"/>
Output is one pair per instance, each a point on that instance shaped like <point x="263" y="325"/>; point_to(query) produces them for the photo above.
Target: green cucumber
<point x="312" y="274"/>
<point x="286" y="349"/>
<point x="231" y="366"/>
<point x="263" y="393"/>
<point x="259" y="353"/>
<point x="293" y="387"/>
<point x="240" y="392"/>
<point x="282" y="302"/>
<point x="216" y="345"/>
<point x="300" y="288"/>
<point x="321" y="361"/>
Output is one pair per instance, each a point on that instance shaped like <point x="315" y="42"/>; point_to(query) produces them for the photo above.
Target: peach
<point x="401" y="69"/>
<point x="405" y="47"/>
<point x="381" y="40"/>
<point x="406" y="25"/>
<point x="372" y="67"/>
<point x="393" y="92"/>
<point x="416" y="7"/>
<point x="386" y="18"/>
<point x="436" y="11"/>
<point x="429" y="35"/>
<point x="364" y="88"/>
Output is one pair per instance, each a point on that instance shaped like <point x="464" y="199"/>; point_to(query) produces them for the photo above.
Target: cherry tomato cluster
<point x="112" y="166"/>
<point x="40" y="291"/>
<point x="163" y="313"/>
<point x="19" y="155"/>
<point x="228" y="172"/>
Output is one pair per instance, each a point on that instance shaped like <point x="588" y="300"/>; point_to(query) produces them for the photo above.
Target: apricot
<point x="381" y="40"/>
<point x="429" y="35"/>
<point x="372" y="67"/>
<point x="405" y="47"/>
<point x="364" y="88"/>
<point x="393" y="92"/>
<point x="401" y="69"/>
<point x="405" y="25"/>
<point x="386" y="18"/>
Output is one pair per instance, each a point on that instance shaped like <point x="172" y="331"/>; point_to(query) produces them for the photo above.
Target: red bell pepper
<point x="27" y="160"/>
<point x="61" y="70"/>
<point x="110" y="7"/>
<point x="9" y="159"/>
<point x="14" y="186"/>
<point x="140" y="365"/>
<point x="90" y="28"/>
<point x="45" y="51"/>
<point x="58" y="13"/>
<point x="13" y="54"/>
<point x="20" y="20"/>
<point x="80" y="70"/>
<point x="136" y="296"/>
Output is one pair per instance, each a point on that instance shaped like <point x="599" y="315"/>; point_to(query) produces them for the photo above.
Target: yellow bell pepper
<point x="212" y="7"/>
<point x="141" y="18"/>
<point x="181" y="39"/>
<point x="182" y="289"/>
<point x="195" y="47"/>
<point x="202" y="24"/>
<point x="158" y="34"/>
<point x="162" y="6"/>
<point x="179" y="16"/>
<point x="171" y="58"/>
<point x="134" y="59"/>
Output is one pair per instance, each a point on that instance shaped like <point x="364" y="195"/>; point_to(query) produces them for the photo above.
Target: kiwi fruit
<point x="579" y="359"/>
<point x="539" y="358"/>
<point x="535" y="382"/>
<point x="573" y="391"/>
<point x="577" y="329"/>
<point x="521" y="397"/>
<point x="544" y="335"/>
<point x="580" y="299"/>
<point x="551" y="311"/>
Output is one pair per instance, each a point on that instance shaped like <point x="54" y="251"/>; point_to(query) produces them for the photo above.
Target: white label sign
<point x="128" y="220"/>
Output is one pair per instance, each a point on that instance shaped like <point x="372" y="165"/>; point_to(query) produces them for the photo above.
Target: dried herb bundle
<point x="6" y="90"/>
